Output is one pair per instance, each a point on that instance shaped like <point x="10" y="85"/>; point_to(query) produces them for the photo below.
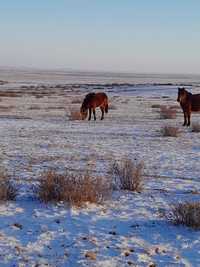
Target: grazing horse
<point x="91" y="102"/>
<point x="189" y="103"/>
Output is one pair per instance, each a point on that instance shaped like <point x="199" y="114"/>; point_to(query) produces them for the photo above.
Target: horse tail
<point x="106" y="107"/>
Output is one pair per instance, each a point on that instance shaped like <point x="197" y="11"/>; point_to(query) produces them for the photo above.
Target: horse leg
<point x="185" y="119"/>
<point x="90" y="113"/>
<point x="94" y="113"/>
<point x="102" y="113"/>
<point x="188" y="117"/>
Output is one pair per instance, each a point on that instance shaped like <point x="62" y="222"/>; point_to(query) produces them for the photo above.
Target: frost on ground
<point x="128" y="230"/>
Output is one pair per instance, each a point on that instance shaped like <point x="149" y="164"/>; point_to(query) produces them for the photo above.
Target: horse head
<point x="182" y="95"/>
<point x="84" y="112"/>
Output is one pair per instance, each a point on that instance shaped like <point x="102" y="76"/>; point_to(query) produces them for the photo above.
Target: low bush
<point x="73" y="189"/>
<point x="155" y="106"/>
<point x="170" y="131"/>
<point x="167" y="113"/>
<point x="76" y="101"/>
<point x="196" y="127"/>
<point x="187" y="214"/>
<point x="112" y="107"/>
<point x="127" y="175"/>
<point x="8" y="190"/>
<point x="74" y="114"/>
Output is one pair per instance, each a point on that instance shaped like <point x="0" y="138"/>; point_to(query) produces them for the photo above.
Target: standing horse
<point x="189" y="103"/>
<point x="91" y="102"/>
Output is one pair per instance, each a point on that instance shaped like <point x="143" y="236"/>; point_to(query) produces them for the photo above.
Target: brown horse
<point x="189" y="103"/>
<point x="91" y="102"/>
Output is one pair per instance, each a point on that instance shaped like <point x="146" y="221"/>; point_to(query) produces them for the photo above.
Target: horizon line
<point x="128" y="72"/>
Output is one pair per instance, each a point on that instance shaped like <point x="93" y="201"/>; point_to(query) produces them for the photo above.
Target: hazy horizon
<point x="130" y="37"/>
<point x="63" y="69"/>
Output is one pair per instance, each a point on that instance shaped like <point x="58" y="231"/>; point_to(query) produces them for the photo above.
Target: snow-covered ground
<point x="128" y="230"/>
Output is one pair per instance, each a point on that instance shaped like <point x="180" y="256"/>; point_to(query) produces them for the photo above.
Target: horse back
<point x="101" y="95"/>
<point x="100" y="99"/>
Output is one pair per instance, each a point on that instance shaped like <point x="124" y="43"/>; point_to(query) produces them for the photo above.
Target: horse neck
<point x="189" y="95"/>
<point x="84" y="106"/>
<point x="87" y="101"/>
<point x="187" y="99"/>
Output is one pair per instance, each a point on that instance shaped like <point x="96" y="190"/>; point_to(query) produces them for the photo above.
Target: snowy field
<point x="36" y="134"/>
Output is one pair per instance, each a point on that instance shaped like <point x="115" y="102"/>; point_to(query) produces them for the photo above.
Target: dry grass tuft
<point x="112" y="107"/>
<point x="74" y="115"/>
<point x="187" y="214"/>
<point x="8" y="191"/>
<point x="38" y="95"/>
<point x="127" y="175"/>
<point x="174" y="107"/>
<point x="10" y="94"/>
<point x="34" y="107"/>
<point x="170" y="131"/>
<point x="73" y="189"/>
<point x="155" y="106"/>
<point x="76" y="101"/>
<point x="167" y="113"/>
<point x="196" y="127"/>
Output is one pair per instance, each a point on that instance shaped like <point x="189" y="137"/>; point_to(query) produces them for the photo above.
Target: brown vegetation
<point x="74" y="114"/>
<point x="127" y="175"/>
<point x="196" y="127"/>
<point x="35" y="107"/>
<point x="76" y="101"/>
<point x="72" y="189"/>
<point x="155" y="106"/>
<point x="170" y="131"/>
<point x="174" y="107"/>
<point x="9" y="94"/>
<point x="167" y="113"/>
<point x="112" y="107"/>
<point x="6" y="108"/>
<point x="8" y="191"/>
<point x="187" y="214"/>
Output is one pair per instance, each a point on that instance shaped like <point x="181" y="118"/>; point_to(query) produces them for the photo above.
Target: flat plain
<point x="39" y="132"/>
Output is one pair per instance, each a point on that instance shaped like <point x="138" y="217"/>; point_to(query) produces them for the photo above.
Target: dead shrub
<point x="127" y="175"/>
<point x="167" y="113"/>
<point x="170" y="131"/>
<point x="34" y="107"/>
<point x="3" y="82"/>
<point x="112" y="107"/>
<point x="196" y="127"/>
<point x="9" y="94"/>
<point x="174" y="107"/>
<point x="76" y="101"/>
<point x="125" y="101"/>
<point x="54" y="108"/>
<point x="74" y="115"/>
<point x="72" y="189"/>
<point x="155" y="106"/>
<point x="8" y="190"/>
<point x="38" y="95"/>
<point x="187" y="214"/>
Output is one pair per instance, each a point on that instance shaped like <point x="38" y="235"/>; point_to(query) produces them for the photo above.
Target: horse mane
<point x="88" y="99"/>
<point x="188" y="93"/>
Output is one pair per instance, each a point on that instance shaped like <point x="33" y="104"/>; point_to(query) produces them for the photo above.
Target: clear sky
<point x="115" y="35"/>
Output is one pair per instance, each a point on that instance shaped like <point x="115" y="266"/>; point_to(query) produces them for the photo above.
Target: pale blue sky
<point x="116" y="35"/>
